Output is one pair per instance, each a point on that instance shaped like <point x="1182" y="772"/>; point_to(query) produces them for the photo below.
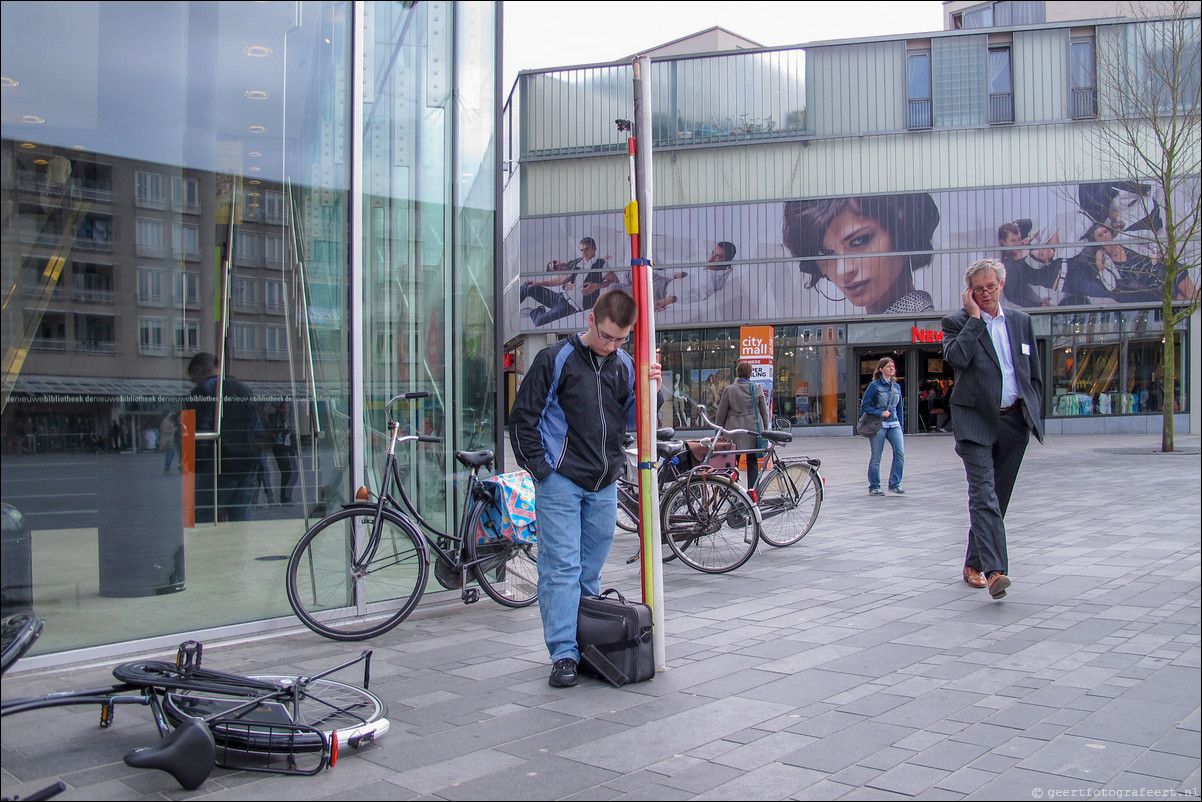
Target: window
<point x="274" y="297"/>
<point x="1083" y="99"/>
<point x="151" y="238"/>
<point x="273" y="203"/>
<point x="918" y="84"/>
<point x="276" y="341"/>
<point x="185" y="194"/>
<point x="93" y="283"/>
<point x="149" y="188"/>
<point x="150" y="286"/>
<point x="959" y="80"/>
<point x="245" y="294"/>
<point x="187" y="337"/>
<point x="979" y="17"/>
<point x="1001" y="86"/>
<point x="1001" y="14"/>
<point x="185" y="242"/>
<point x="150" y="337"/>
<point x="244" y="340"/>
<point x="185" y="288"/>
<point x="249" y="250"/>
<point x="1111" y="363"/>
<point x="273" y="250"/>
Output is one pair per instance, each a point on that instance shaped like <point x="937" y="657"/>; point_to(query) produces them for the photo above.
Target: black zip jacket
<point x="571" y="414"/>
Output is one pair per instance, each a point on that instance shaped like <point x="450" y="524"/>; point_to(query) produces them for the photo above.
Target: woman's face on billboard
<point x="847" y="260"/>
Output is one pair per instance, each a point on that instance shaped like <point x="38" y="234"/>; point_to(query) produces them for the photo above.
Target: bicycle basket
<point x="511" y="514"/>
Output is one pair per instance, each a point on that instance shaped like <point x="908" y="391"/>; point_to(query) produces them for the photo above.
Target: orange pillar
<point x="187" y="464"/>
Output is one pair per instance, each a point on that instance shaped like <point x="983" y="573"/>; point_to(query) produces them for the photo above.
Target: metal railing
<point x="1083" y="103"/>
<point x="918" y="114"/>
<point x="1001" y="108"/>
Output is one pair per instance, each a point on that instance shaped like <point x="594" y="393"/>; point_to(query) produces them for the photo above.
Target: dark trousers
<point x="556" y="304"/>
<point x="992" y="470"/>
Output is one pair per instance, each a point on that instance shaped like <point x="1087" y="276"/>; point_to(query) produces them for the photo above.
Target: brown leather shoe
<point x="997" y="585"/>
<point x="973" y="577"/>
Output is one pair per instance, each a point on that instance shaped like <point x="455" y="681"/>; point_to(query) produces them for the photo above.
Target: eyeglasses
<point x="615" y="340"/>
<point x="988" y="289"/>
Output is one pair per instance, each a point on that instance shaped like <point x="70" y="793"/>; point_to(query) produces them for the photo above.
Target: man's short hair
<point x="980" y="266"/>
<point x="588" y="241"/>
<point x="204" y="361"/>
<point x="728" y="251"/>
<point x="1007" y="228"/>
<point x="743" y="370"/>
<point x="617" y="306"/>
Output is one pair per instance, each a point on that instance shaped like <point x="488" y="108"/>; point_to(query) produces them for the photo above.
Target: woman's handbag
<point x="868" y="424"/>
<point x="761" y="443"/>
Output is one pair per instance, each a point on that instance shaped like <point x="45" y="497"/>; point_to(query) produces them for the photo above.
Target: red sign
<point x="918" y="335"/>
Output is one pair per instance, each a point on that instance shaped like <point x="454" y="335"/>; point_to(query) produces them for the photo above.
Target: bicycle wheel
<point x="18" y="633"/>
<point x="790" y="498"/>
<point x="508" y="571"/>
<point x="709" y="523"/>
<point x="340" y="597"/>
<point x="627" y="518"/>
<point x="326" y="705"/>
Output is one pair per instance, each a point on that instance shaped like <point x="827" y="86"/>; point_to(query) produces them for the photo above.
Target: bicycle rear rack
<point x="272" y="748"/>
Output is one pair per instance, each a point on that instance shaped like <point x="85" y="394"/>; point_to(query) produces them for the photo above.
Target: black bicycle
<point x="706" y="519"/>
<point x="789" y="490"/>
<point x="283" y="724"/>
<point x="362" y="570"/>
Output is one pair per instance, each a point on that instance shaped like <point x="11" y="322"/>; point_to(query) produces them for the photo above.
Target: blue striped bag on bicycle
<point x="511" y="515"/>
<point x="614" y="636"/>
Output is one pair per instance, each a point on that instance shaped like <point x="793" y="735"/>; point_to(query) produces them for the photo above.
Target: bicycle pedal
<point x="471" y="595"/>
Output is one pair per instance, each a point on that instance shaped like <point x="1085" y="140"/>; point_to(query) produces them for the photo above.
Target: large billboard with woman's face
<point x="898" y="254"/>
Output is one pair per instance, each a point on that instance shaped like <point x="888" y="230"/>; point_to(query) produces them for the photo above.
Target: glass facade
<point x="287" y="207"/>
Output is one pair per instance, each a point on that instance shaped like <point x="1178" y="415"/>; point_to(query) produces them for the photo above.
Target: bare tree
<point x="1148" y="79"/>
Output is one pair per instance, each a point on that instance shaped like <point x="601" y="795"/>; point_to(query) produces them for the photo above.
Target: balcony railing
<point x="1083" y="103"/>
<point x="48" y="344"/>
<point x="88" y="347"/>
<point x="1001" y="108"/>
<point x="95" y="296"/>
<point x="918" y="114"/>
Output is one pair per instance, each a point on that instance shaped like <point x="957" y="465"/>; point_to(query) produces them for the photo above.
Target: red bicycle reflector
<point x="361" y="494"/>
<point x="333" y="748"/>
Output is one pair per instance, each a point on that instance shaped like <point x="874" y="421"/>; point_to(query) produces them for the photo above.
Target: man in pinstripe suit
<point x="996" y="401"/>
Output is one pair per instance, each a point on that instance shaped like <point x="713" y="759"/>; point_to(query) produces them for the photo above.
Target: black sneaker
<point x="563" y="673"/>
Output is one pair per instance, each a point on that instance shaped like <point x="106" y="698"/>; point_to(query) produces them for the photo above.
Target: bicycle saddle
<point x="187" y="754"/>
<point x="670" y="448"/>
<point x="475" y="459"/>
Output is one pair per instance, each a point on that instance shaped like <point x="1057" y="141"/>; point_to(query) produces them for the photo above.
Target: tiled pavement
<point x="853" y="665"/>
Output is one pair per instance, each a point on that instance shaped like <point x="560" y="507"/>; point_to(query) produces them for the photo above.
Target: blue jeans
<point x="894" y="435"/>
<point x="575" y="532"/>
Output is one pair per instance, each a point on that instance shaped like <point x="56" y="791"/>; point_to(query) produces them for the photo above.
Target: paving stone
<point x="812" y="672"/>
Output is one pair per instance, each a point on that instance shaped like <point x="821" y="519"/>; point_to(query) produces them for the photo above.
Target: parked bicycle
<point x="706" y="518"/>
<point x="362" y="570"/>
<point x="789" y="489"/>
<point x="277" y="723"/>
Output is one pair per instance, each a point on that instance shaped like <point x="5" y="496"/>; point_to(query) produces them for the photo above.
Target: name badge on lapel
<point x="1026" y="350"/>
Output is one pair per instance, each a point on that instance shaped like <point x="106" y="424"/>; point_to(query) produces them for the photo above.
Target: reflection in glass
<point x="135" y="247"/>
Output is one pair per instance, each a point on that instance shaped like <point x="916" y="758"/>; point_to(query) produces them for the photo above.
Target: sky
<point x="542" y="34"/>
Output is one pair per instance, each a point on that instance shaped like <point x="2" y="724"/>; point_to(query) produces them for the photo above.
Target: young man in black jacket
<point x="567" y="424"/>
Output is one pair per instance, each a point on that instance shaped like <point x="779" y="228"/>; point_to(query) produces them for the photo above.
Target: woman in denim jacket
<point x="884" y="398"/>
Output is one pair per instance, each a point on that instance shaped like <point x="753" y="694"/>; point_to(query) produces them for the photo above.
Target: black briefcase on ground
<point x="614" y="636"/>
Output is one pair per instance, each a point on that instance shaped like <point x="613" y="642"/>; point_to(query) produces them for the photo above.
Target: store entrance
<point x="924" y="377"/>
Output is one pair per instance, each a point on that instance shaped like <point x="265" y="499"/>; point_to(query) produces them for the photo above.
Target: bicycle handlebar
<point x="771" y="434"/>
<point x="405" y="397"/>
